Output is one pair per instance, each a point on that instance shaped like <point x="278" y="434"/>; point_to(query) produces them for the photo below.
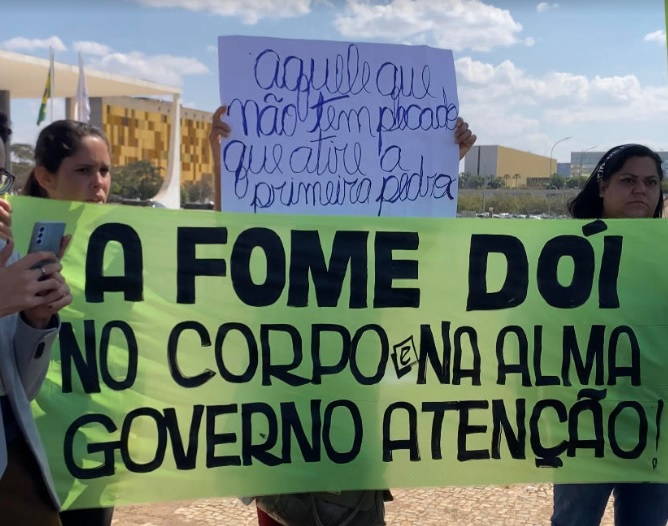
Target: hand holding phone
<point x="46" y="236"/>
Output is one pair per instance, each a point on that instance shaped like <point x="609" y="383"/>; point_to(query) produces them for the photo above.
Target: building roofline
<point x="24" y="76"/>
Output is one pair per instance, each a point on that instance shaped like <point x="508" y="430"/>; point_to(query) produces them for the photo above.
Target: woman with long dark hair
<point x="626" y="183"/>
<point x="72" y="163"/>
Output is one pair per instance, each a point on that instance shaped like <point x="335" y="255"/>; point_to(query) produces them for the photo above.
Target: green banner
<point x="211" y="354"/>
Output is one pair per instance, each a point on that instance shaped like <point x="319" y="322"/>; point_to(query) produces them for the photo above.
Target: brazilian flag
<point x="46" y="96"/>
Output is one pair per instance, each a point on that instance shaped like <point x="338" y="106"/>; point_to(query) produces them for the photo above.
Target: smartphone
<point x="46" y="235"/>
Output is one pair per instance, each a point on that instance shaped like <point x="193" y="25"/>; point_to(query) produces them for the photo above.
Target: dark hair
<point x="5" y="130"/>
<point x="588" y="204"/>
<point x="58" y="141"/>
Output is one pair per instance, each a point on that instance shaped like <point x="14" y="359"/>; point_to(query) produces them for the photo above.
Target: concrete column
<point x="69" y="108"/>
<point x="170" y="192"/>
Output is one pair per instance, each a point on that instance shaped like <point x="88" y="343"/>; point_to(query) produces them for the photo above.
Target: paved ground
<point x="474" y="506"/>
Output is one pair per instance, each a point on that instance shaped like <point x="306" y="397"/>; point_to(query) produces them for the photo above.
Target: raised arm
<point x="219" y="130"/>
<point x="464" y="137"/>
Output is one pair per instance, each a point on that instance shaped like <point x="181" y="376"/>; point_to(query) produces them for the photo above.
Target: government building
<point x="138" y="129"/>
<point x="517" y="168"/>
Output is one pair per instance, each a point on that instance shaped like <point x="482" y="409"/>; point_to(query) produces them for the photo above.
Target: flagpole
<point x="53" y="82"/>
<point x="48" y="90"/>
<point x="81" y="101"/>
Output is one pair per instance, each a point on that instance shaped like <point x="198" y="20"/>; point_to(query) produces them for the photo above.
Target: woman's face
<point x="633" y="191"/>
<point x="84" y="176"/>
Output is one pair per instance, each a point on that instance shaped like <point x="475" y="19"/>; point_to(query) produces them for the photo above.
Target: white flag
<point x="81" y="102"/>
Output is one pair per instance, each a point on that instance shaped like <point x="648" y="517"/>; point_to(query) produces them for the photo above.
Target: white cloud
<point x="91" y="48"/>
<point x="31" y="44"/>
<point x="506" y="105"/>
<point x="164" y="69"/>
<point x="250" y="11"/>
<point x="212" y="49"/>
<point x="657" y="36"/>
<point x="509" y="87"/>
<point x="451" y="24"/>
<point x="545" y="6"/>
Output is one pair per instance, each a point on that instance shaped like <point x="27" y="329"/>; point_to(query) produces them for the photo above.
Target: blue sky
<point x="528" y="73"/>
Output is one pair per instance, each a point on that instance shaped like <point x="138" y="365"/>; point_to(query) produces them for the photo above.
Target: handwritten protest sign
<point x="241" y="354"/>
<point x="338" y="128"/>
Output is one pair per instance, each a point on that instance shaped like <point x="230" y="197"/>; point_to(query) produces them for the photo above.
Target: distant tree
<point x="516" y="177"/>
<point x="467" y="180"/>
<point x="577" y="181"/>
<point x="478" y="181"/>
<point x="506" y="178"/>
<point x="495" y="182"/>
<point x="556" y="182"/>
<point x="136" y="180"/>
<point x="23" y="161"/>
<point x="23" y="152"/>
<point x="200" y="191"/>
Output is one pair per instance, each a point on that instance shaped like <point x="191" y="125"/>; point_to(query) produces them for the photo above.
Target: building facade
<point x="516" y="167"/>
<point x="564" y="169"/>
<point x="138" y="130"/>
<point x="583" y="163"/>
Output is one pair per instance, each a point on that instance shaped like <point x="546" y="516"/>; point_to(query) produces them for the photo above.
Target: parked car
<point x="198" y="206"/>
<point x="135" y="202"/>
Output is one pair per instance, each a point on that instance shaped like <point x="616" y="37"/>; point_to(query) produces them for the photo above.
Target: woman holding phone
<point x="31" y="297"/>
